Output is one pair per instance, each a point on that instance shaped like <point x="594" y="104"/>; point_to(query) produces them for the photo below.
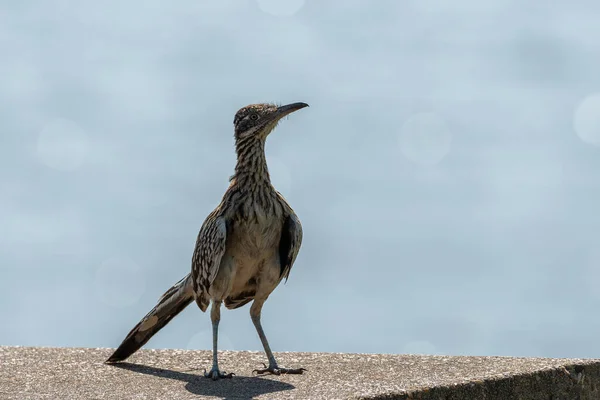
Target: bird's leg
<point x="273" y="368"/>
<point x="215" y="317"/>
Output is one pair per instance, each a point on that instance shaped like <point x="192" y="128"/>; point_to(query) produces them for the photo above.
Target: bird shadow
<point x="238" y="387"/>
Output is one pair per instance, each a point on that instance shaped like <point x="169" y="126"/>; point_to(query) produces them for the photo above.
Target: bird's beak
<point x="288" y="109"/>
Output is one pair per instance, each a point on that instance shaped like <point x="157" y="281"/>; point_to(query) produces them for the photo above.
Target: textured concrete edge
<point x="572" y="381"/>
<point x="387" y="376"/>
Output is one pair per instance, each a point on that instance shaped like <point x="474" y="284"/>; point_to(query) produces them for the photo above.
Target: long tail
<point x="169" y="305"/>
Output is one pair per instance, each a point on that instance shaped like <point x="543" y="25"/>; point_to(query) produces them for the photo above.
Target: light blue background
<point x="447" y="173"/>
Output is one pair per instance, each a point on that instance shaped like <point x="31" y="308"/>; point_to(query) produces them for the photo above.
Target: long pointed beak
<point x="288" y="109"/>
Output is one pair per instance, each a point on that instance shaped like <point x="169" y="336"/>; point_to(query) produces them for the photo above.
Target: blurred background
<point x="447" y="173"/>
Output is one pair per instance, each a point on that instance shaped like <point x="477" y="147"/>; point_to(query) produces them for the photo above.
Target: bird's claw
<point x="215" y="374"/>
<point x="275" y="370"/>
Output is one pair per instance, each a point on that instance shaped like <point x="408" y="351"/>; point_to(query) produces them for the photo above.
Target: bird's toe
<point x="275" y="370"/>
<point x="215" y="374"/>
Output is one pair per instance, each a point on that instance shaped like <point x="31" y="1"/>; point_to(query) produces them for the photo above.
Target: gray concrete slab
<point x="75" y="373"/>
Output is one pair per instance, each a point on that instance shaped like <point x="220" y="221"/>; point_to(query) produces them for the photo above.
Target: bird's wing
<point x="210" y="247"/>
<point x="289" y="244"/>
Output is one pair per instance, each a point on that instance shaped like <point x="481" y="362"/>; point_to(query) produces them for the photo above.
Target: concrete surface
<point x="73" y="373"/>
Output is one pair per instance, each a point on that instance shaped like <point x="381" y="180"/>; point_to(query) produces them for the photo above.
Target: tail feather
<point x="169" y="305"/>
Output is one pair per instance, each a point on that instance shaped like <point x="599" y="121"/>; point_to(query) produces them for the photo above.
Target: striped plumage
<point x="245" y="246"/>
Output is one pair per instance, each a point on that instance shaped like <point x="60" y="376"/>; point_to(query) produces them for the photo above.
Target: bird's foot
<point x="215" y="374"/>
<point x="275" y="370"/>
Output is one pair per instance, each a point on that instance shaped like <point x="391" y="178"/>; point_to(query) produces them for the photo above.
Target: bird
<point x="245" y="247"/>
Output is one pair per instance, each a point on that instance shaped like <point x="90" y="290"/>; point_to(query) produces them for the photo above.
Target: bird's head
<point x="258" y="120"/>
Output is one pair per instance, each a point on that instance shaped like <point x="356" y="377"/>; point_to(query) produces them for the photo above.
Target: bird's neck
<point x="251" y="168"/>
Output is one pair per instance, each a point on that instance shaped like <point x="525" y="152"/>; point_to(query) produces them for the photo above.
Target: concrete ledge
<point x="72" y="373"/>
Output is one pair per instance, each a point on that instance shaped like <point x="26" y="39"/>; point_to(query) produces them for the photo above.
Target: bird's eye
<point x="253" y="117"/>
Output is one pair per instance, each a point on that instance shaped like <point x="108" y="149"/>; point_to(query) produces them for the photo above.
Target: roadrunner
<point x="245" y="247"/>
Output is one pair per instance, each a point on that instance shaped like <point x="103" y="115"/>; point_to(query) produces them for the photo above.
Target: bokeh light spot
<point x="62" y="145"/>
<point x="203" y="340"/>
<point x="281" y="8"/>
<point x="119" y="282"/>
<point x="586" y="121"/>
<point x="420" y="347"/>
<point x="425" y="139"/>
